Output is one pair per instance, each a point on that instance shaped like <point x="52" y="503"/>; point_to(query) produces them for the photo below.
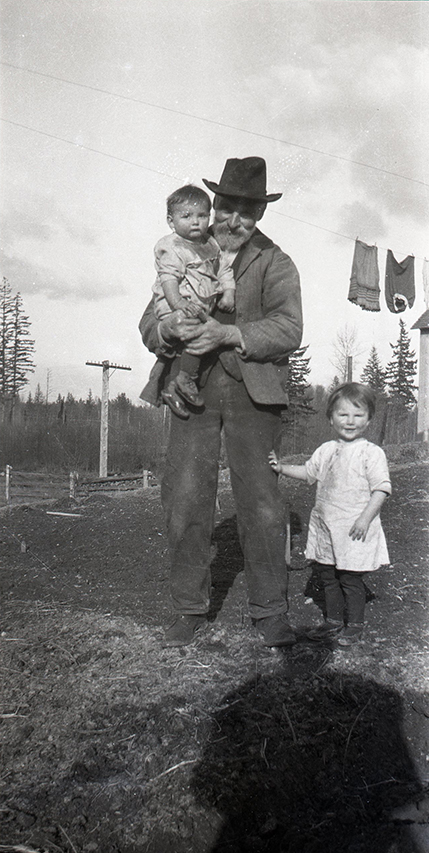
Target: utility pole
<point x="104" y="421"/>
<point x="48" y="382"/>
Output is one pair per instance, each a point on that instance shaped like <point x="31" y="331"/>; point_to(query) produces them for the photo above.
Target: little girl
<point x="192" y="276"/>
<point x="345" y="537"/>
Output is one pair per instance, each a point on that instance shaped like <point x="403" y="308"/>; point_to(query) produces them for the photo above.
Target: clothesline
<point x="338" y="234"/>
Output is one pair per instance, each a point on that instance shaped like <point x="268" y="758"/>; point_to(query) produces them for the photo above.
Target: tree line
<point x="64" y="435"/>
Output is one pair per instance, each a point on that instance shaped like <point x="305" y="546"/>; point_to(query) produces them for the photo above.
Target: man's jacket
<point x="268" y="314"/>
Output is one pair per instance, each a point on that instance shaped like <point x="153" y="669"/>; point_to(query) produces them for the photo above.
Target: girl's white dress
<point x="346" y="472"/>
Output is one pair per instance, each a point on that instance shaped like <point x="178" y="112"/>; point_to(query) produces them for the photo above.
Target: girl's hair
<point x="187" y="193"/>
<point x="360" y="395"/>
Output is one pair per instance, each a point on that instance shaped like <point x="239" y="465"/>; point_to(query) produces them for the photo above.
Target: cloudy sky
<point x="109" y="105"/>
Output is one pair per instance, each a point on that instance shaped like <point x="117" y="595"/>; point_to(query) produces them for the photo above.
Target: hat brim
<point x="216" y="188"/>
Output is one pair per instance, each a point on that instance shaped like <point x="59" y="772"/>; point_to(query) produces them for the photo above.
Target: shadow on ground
<point x="310" y="768"/>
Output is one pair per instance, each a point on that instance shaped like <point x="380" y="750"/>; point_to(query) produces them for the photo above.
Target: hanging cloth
<point x="426" y="281"/>
<point x="400" y="290"/>
<point x="364" y="287"/>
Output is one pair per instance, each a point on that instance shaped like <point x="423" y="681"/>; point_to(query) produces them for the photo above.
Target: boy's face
<point x="190" y="220"/>
<point x="349" y="420"/>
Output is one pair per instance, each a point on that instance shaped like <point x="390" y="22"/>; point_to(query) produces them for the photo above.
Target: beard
<point x="230" y="241"/>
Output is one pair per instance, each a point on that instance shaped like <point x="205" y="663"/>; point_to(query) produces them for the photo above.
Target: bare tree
<point x="347" y="350"/>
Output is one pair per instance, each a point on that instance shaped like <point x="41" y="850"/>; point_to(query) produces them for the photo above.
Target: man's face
<point x="235" y="220"/>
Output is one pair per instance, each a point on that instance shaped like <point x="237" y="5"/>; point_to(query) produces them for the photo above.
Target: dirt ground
<point x="112" y="744"/>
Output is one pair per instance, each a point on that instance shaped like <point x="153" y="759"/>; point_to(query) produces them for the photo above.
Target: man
<point x="244" y="378"/>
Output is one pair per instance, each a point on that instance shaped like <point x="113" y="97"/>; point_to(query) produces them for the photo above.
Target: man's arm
<point x="276" y="329"/>
<point x="279" y="331"/>
<point x="162" y="336"/>
<point x="267" y="338"/>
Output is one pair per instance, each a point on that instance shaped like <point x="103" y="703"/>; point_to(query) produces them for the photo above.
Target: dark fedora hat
<point x="245" y="178"/>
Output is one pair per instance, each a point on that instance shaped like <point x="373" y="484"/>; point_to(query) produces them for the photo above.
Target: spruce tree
<point x="39" y="398"/>
<point x="334" y="384"/>
<point x="402" y="369"/>
<point x="373" y="373"/>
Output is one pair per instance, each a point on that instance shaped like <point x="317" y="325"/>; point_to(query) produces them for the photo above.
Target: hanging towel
<point x="364" y="289"/>
<point x="399" y="283"/>
<point x="426" y="281"/>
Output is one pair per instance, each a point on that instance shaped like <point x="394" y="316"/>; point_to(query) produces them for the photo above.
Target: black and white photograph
<point x="214" y="426"/>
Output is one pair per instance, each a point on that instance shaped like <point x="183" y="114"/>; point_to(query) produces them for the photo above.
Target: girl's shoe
<point x="350" y="635"/>
<point x="327" y="631"/>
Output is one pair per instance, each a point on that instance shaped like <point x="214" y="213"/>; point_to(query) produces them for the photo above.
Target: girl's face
<point x="190" y="220"/>
<point x="349" y="420"/>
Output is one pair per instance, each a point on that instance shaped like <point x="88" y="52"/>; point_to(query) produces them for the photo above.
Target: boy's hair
<point x="186" y="193"/>
<point x="360" y="395"/>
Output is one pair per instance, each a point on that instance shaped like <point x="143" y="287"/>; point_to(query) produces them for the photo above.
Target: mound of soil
<point x="112" y="744"/>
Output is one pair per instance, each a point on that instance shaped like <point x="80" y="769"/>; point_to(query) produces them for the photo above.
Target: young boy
<point x="192" y="276"/>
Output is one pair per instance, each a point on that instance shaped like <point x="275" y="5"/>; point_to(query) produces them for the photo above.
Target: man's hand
<point x="199" y="337"/>
<point x="212" y="336"/>
<point x="176" y="327"/>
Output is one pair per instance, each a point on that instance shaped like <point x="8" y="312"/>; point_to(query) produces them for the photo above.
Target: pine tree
<point x="16" y="347"/>
<point x="38" y="398"/>
<point x="90" y="402"/>
<point x="6" y="310"/>
<point x="373" y="373"/>
<point x="22" y="348"/>
<point x="298" y="386"/>
<point x="401" y="370"/>
<point x="300" y="399"/>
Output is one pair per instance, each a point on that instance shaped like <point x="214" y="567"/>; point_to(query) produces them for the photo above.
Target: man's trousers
<point x="189" y="490"/>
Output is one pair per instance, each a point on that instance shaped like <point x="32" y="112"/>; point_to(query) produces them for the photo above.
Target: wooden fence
<point x="28" y="487"/>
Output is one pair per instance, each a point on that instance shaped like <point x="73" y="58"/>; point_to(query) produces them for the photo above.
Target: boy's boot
<point x="186" y="387"/>
<point x="172" y="399"/>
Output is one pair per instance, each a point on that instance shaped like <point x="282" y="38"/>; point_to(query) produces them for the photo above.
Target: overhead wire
<point x="337" y="233"/>
<point x="199" y="118"/>
<point x="167" y="175"/>
<point x="86" y="147"/>
<point x="212" y="121"/>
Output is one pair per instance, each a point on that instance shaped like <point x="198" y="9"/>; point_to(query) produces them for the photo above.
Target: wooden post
<point x="349" y="368"/>
<point x="73" y="483"/>
<point x="8" y="470"/>
<point x="104" y="421"/>
<point x="423" y="395"/>
<point x="288" y="544"/>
